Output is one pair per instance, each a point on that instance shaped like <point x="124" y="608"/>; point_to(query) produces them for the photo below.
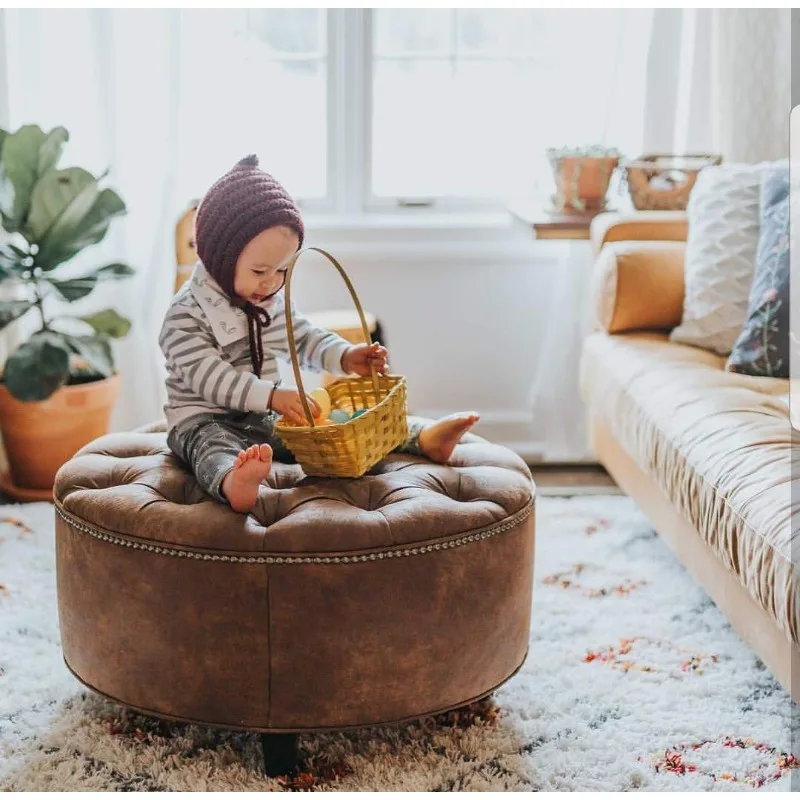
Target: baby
<point x="226" y="326"/>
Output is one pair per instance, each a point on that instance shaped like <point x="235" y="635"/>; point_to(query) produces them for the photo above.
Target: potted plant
<point x="59" y="385"/>
<point x="582" y="175"/>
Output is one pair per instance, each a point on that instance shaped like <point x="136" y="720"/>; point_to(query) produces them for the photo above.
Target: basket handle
<point x="290" y="325"/>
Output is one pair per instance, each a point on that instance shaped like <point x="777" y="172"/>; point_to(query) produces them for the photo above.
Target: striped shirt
<point x="205" y="343"/>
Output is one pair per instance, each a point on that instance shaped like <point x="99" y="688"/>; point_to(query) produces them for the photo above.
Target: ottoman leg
<point x="280" y="753"/>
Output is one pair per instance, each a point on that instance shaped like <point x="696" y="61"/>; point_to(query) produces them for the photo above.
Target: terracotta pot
<point x="40" y="437"/>
<point x="585" y="179"/>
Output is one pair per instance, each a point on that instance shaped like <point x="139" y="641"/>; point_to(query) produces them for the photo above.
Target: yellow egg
<point x="323" y="400"/>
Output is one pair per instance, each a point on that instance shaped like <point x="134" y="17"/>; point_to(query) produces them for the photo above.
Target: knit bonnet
<point x="244" y="202"/>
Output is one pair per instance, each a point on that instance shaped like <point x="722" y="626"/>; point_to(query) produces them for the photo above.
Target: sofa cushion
<point x="723" y="215"/>
<point x="717" y="443"/>
<point x="628" y="272"/>
<point x="763" y="345"/>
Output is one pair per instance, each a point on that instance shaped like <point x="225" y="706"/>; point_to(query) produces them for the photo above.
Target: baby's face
<point x="261" y="268"/>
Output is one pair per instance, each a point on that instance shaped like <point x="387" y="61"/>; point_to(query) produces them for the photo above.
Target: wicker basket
<point x="350" y="449"/>
<point x="660" y="182"/>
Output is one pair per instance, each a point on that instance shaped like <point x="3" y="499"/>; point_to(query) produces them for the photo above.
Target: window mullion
<point x="347" y="86"/>
<point x="336" y="111"/>
<point x="354" y="101"/>
<point x="364" y="119"/>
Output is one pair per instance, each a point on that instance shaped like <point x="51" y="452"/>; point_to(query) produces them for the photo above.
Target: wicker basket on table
<point x="662" y="182"/>
<point x="349" y="449"/>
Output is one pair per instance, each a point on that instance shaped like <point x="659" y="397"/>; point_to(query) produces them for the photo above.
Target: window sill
<point x="428" y="221"/>
<point x="428" y="237"/>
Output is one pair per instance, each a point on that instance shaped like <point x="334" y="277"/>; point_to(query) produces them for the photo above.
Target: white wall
<point x="465" y="319"/>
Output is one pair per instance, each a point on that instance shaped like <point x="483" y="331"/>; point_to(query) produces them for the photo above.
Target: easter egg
<point x="323" y="400"/>
<point x="358" y="413"/>
<point x="339" y="416"/>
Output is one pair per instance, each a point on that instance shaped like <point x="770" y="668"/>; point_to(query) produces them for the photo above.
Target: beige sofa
<point x="707" y="454"/>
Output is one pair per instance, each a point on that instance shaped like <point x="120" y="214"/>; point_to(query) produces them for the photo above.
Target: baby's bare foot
<point x="240" y="485"/>
<point x="438" y="439"/>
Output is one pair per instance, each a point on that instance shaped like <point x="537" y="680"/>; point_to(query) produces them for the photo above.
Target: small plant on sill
<point x="582" y="176"/>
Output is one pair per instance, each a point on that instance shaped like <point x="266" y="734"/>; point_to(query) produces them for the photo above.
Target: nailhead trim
<point x="487" y="533"/>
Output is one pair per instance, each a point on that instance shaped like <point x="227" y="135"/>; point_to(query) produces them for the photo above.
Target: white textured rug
<point x="634" y="681"/>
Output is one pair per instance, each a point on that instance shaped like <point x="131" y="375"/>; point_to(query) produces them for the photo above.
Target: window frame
<point x="349" y="141"/>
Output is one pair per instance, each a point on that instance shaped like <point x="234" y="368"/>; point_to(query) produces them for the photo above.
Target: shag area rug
<point x="634" y="681"/>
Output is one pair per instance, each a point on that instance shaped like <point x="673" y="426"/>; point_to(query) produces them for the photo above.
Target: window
<point x="380" y="109"/>
<point x="354" y="110"/>
<point x="256" y="80"/>
<point x="466" y="101"/>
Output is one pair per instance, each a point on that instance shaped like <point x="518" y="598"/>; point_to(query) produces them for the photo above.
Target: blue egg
<point x="359" y="413"/>
<point x="339" y="416"/>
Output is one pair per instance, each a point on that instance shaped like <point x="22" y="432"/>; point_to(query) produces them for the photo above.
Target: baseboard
<point x="514" y="430"/>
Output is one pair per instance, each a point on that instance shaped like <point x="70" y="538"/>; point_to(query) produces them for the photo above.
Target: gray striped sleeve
<point x="194" y="362"/>
<point x="317" y="348"/>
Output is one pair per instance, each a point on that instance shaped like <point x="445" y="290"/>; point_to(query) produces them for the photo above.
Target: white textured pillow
<point x="720" y="256"/>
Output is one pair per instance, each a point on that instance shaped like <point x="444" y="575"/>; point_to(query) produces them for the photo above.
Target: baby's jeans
<point x="209" y="443"/>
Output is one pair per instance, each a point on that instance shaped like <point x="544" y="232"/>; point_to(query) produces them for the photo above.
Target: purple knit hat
<point x="244" y="202"/>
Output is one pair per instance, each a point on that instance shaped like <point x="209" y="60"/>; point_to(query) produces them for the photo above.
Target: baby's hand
<point x="360" y="357"/>
<point x="288" y="403"/>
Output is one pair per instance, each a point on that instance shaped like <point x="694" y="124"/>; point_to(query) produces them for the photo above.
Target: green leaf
<point x="107" y="206"/>
<point x="19" y="174"/>
<point x="51" y="149"/>
<point x="108" y="322"/>
<point x="10" y="261"/>
<point x="75" y="288"/>
<point x="114" y="271"/>
<point x="38" y="367"/>
<point x="19" y="251"/>
<point x="59" y="202"/>
<point x="7" y="195"/>
<point x="25" y="156"/>
<point x="55" y="250"/>
<point x="95" y="351"/>
<point x="11" y="310"/>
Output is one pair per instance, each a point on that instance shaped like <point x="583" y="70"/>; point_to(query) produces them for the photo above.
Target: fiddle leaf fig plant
<point x="47" y="216"/>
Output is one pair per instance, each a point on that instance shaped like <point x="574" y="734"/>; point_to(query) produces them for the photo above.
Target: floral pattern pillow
<point x="763" y="345"/>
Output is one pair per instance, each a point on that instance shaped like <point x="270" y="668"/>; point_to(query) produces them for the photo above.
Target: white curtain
<point x="112" y="78"/>
<point x="753" y="67"/>
<point x="558" y="414"/>
<point x="719" y="80"/>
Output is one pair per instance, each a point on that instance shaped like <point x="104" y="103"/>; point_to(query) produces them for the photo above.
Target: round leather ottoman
<point x="334" y="604"/>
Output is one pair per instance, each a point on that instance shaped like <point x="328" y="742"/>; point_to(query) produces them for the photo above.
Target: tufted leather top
<point x="131" y="485"/>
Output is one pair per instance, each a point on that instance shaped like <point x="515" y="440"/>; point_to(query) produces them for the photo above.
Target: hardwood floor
<point x="565" y="480"/>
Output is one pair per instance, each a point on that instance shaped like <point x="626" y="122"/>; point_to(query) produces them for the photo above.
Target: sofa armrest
<point x="661" y="226"/>
<point x="638" y="286"/>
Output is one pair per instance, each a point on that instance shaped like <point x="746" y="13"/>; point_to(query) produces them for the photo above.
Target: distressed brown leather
<point x="335" y="603"/>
